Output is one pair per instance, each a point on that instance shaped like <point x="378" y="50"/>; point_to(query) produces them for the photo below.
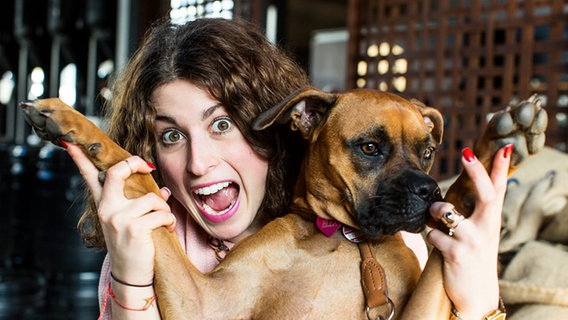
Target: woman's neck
<point x="254" y="227"/>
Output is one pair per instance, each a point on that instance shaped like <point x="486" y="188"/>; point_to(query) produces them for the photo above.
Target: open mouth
<point x="217" y="202"/>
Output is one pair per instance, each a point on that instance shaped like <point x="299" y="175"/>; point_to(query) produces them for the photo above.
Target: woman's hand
<point x="470" y="255"/>
<point x="127" y="224"/>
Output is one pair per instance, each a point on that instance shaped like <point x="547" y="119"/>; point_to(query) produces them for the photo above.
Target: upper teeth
<point x="211" y="189"/>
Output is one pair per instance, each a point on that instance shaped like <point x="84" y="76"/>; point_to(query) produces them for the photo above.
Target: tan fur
<point x="289" y="269"/>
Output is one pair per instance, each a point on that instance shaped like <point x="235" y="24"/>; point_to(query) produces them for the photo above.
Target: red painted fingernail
<point x="153" y="167"/>
<point x="508" y="150"/>
<point x="468" y="154"/>
<point x="62" y="143"/>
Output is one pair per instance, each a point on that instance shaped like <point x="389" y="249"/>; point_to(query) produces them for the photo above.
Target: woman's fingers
<point x="500" y="170"/>
<point x="87" y="169"/>
<point x="145" y="223"/>
<point x="117" y="175"/>
<point x="462" y="229"/>
<point x="490" y="188"/>
<point x="166" y="193"/>
<point x="470" y="254"/>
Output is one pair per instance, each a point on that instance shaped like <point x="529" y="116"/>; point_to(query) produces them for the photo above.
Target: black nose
<point x="425" y="187"/>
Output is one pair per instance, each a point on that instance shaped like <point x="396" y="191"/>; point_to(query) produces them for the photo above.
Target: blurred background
<point x="467" y="58"/>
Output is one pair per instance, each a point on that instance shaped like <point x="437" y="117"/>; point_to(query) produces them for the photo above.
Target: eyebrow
<point x="209" y="111"/>
<point x="204" y="115"/>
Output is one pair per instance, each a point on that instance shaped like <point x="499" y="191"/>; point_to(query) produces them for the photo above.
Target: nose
<point x="202" y="157"/>
<point x="425" y="187"/>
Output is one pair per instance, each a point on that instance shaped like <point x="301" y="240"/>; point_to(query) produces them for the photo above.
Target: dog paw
<point x="522" y="125"/>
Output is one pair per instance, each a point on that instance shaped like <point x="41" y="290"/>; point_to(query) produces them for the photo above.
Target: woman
<point x="185" y="102"/>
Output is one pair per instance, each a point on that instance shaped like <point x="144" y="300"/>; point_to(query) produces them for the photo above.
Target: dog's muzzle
<point x="400" y="203"/>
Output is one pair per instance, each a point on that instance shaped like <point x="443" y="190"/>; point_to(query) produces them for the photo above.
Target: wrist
<point x="128" y="284"/>
<point x="497" y="314"/>
<point x="131" y="298"/>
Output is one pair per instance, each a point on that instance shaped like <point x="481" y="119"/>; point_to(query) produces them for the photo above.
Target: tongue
<point x="222" y="199"/>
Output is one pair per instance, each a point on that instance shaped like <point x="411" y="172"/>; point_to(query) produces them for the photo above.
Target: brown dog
<point x="367" y="160"/>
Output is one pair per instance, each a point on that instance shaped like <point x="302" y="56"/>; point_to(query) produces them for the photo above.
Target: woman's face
<point x="206" y="162"/>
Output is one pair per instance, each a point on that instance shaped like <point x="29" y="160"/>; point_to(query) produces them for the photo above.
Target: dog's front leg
<point x="174" y="281"/>
<point x="184" y="292"/>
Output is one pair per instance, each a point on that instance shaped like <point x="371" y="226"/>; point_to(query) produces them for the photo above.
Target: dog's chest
<point x="324" y="279"/>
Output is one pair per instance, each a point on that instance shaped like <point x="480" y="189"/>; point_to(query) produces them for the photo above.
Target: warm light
<point x="362" y="68"/>
<point x="384" y="49"/>
<point x="397" y="50"/>
<point x="399" y="83"/>
<point x="400" y="66"/>
<point x="383" y="66"/>
<point x="373" y="51"/>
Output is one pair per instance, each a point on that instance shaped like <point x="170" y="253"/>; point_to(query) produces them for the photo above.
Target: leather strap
<point x="372" y="277"/>
<point x="372" y="274"/>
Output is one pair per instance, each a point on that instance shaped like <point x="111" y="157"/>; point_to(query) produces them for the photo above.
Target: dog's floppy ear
<point x="433" y="119"/>
<point x="304" y="108"/>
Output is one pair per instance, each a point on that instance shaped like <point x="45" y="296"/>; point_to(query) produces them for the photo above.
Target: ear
<point x="304" y="109"/>
<point x="433" y="119"/>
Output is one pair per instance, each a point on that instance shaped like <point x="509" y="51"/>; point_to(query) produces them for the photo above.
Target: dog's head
<point x="368" y="157"/>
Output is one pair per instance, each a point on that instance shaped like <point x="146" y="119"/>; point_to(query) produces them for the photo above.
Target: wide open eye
<point x="171" y="136"/>
<point x="222" y="125"/>
<point x="370" y="149"/>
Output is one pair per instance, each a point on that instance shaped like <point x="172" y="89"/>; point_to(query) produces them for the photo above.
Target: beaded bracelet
<point x="129" y="284"/>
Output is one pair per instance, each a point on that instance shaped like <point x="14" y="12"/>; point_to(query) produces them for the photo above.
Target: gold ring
<point x="452" y="219"/>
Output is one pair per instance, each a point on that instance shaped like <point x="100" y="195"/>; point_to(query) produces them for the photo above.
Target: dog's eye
<point x="429" y="153"/>
<point x="370" y="149"/>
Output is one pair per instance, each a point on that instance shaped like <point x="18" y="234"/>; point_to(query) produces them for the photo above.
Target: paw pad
<point x="523" y="125"/>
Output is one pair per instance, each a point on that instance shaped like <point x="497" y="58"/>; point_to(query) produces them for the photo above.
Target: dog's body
<point x="367" y="160"/>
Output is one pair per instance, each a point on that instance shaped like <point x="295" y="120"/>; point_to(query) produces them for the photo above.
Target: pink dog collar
<point x="329" y="227"/>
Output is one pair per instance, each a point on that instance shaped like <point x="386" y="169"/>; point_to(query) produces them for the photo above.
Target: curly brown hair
<point x="231" y="59"/>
